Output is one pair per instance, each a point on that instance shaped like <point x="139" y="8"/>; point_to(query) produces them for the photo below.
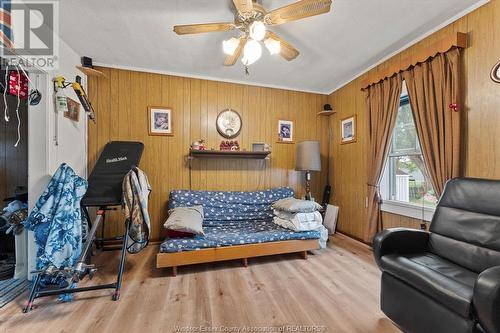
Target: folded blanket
<point x="298" y="221"/>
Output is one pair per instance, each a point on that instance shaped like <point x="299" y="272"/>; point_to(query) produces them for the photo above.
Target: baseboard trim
<point x="346" y="234"/>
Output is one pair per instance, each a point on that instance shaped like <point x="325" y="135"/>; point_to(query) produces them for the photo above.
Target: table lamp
<point x="308" y="159"/>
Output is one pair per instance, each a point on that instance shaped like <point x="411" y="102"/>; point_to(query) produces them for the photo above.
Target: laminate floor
<point x="334" y="290"/>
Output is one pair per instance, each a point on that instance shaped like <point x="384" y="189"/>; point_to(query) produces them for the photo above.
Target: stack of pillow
<point x="300" y="215"/>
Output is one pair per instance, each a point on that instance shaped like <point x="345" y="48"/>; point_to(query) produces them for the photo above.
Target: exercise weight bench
<point x="104" y="193"/>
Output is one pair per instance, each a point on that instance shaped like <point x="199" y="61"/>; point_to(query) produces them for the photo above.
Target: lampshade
<point x="251" y="52"/>
<point x="273" y="46"/>
<point x="257" y="30"/>
<point x="229" y="46"/>
<point x="308" y="156"/>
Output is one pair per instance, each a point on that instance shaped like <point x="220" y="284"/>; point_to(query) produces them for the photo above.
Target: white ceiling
<point x="334" y="47"/>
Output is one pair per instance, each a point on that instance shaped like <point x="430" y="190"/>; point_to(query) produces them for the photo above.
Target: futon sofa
<point x="237" y="225"/>
<point x="448" y="279"/>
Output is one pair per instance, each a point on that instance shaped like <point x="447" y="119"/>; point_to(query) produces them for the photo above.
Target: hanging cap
<point x="327" y="107"/>
<point x="35" y="97"/>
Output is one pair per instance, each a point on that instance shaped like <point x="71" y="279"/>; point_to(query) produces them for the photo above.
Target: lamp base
<point x="308" y="186"/>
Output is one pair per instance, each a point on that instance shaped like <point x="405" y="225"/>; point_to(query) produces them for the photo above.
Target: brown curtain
<point x="382" y="102"/>
<point x="433" y="86"/>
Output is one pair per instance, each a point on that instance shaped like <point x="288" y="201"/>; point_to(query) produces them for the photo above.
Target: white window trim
<point x="408" y="209"/>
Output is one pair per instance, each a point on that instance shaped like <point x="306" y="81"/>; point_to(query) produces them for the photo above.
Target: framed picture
<point x="495" y="73"/>
<point x="285" y="131"/>
<point x="160" y="120"/>
<point x="73" y="112"/>
<point x="348" y="130"/>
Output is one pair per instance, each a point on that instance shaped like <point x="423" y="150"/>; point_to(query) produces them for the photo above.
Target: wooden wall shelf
<point x="256" y="155"/>
<point x="326" y="113"/>
<point x="90" y="71"/>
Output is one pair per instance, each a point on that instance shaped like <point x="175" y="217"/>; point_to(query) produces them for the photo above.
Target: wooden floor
<point x="336" y="290"/>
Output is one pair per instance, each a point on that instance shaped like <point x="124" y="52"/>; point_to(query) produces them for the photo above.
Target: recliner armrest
<point x="486" y="299"/>
<point x="399" y="240"/>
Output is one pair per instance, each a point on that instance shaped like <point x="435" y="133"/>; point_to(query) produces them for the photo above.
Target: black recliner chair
<point x="447" y="279"/>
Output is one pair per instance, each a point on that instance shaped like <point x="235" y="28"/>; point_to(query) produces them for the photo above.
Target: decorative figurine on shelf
<point x="198" y="145"/>
<point x="202" y="145"/>
<point x="230" y="145"/>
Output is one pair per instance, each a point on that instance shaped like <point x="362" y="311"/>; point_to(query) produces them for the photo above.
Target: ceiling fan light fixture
<point x="229" y="46"/>
<point x="273" y="46"/>
<point x="251" y="52"/>
<point x="257" y="30"/>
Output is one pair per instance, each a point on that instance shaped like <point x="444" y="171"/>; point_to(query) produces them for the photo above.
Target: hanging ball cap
<point x="34" y="97"/>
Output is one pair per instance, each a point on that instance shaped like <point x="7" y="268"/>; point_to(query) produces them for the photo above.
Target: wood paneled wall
<point x="480" y="106"/>
<point x="391" y="220"/>
<point x="121" y="99"/>
<point x="13" y="160"/>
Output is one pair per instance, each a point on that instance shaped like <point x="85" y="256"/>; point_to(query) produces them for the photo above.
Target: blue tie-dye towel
<point x="56" y="220"/>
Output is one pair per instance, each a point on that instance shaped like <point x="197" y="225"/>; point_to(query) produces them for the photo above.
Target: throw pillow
<point x="293" y="205"/>
<point x="186" y="219"/>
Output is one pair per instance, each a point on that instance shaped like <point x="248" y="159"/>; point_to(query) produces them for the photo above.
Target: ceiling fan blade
<point x="298" y="10"/>
<point x="231" y="59"/>
<point x="243" y="6"/>
<point x="202" y="28"/>
<point x="287" y="50"/>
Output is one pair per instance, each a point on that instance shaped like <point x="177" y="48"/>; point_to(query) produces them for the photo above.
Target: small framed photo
<point x="73" y="112"/>
<point x="285" y="131"/>
<point x="348" y="130"/>
<point x="160" y="120"/>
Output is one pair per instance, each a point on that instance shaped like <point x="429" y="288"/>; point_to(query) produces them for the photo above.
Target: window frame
<point x="408" y="209"/>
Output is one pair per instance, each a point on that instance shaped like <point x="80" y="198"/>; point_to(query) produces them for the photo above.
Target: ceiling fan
<point x="253" y="20"/>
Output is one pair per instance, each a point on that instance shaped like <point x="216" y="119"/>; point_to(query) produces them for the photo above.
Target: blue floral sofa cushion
<point x="236" y="233"/>
<point x="225" y="207"/>
<point x="233" y="218"/>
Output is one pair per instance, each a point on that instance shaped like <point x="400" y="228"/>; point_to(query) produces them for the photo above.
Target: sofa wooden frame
<point x="242" y="252"/>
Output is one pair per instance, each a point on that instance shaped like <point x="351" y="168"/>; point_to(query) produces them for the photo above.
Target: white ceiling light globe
<point x="251" y="52"/>
<point x="229" y="46"/>
<point x="273" y="46"/>
<point x="257" y="30"/>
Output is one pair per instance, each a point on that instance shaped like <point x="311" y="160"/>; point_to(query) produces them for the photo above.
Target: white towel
<point x="298" y="221"/>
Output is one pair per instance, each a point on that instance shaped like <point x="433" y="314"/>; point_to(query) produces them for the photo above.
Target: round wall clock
<point x="228" y="124"/>
<point x="495" y="73"/>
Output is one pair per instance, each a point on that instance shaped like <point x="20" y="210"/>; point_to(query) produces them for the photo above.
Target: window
<point x="405" y="180"/>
